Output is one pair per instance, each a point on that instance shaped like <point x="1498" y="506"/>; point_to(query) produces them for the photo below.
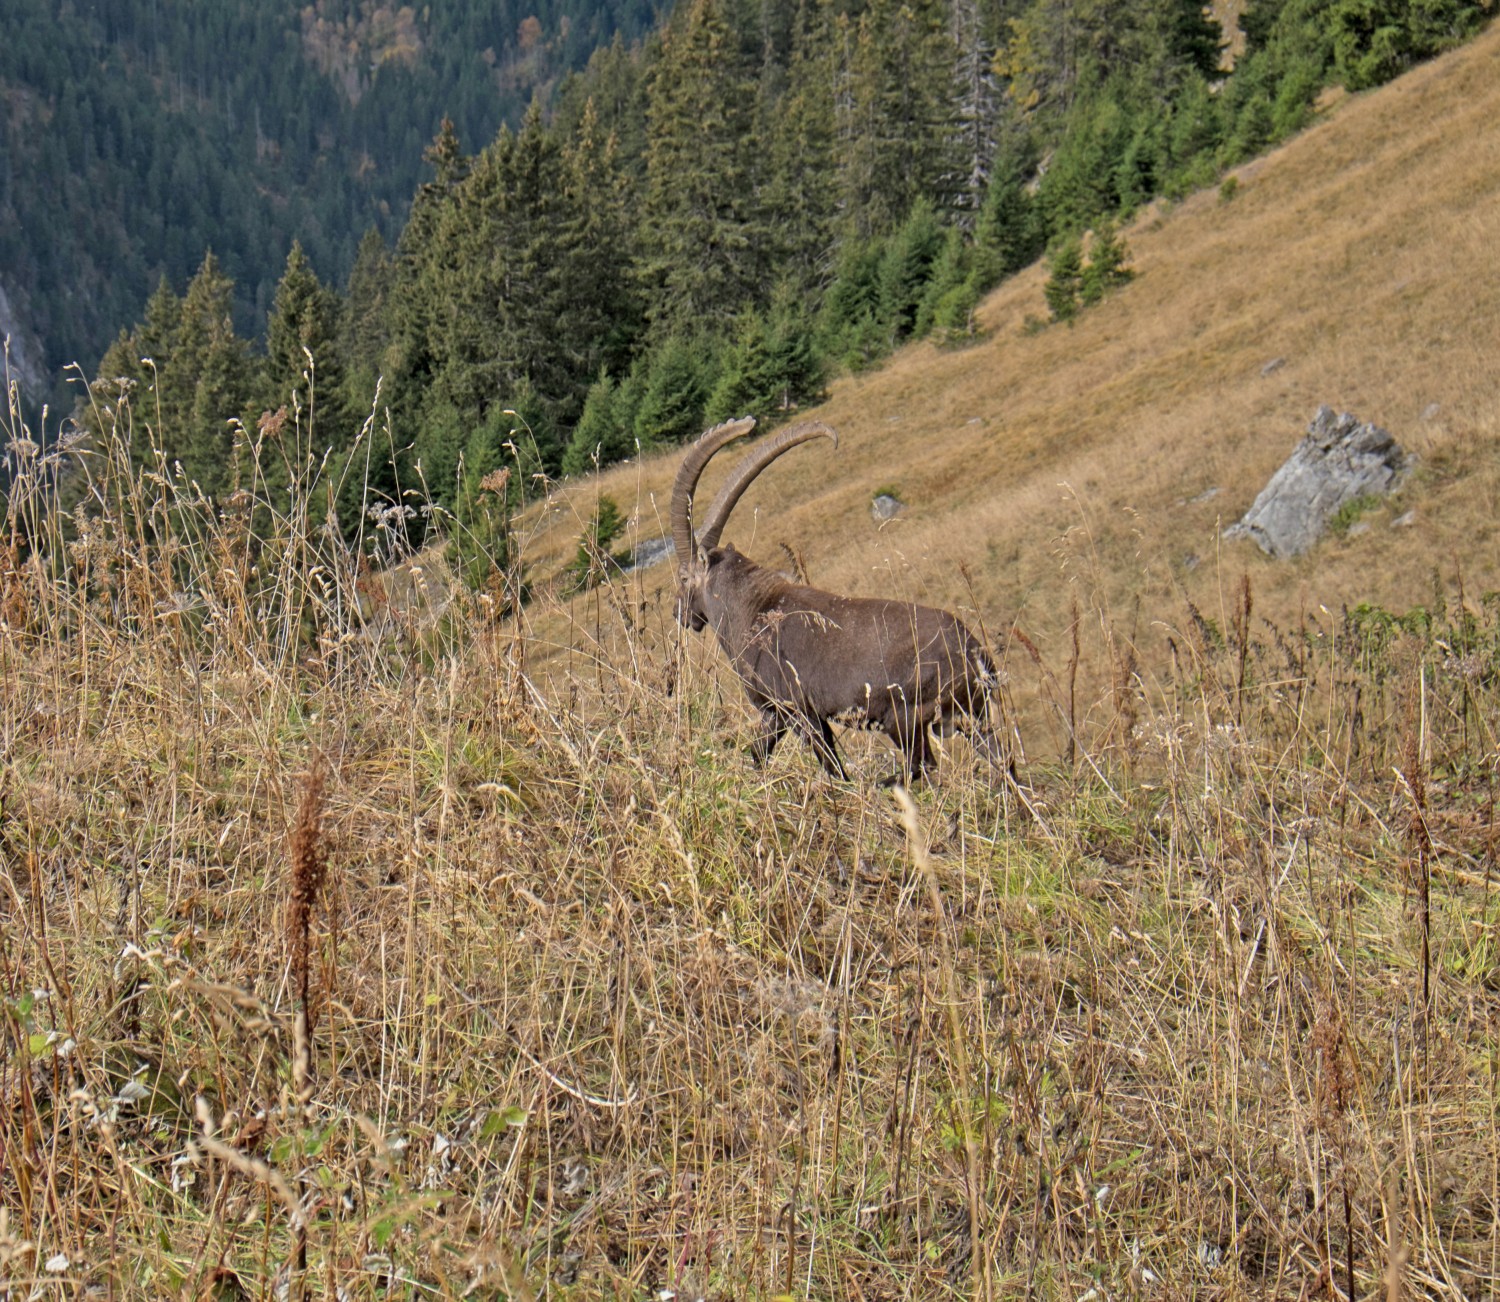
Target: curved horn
<point x="749" y="468"/>
<point x="688" y="474"/>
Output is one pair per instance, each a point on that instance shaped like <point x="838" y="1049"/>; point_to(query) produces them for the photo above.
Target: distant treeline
<point x="712" y="220"/>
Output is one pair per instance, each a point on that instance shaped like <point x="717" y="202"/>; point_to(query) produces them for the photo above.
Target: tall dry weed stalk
<point x="1418" y="839"/>
<point x="1242" y="610"/>
<point x="308" y="871"/>
<point x="308" y="862"/>
<point x="1336" y="1090"/>
<point x="1070" y="754"/>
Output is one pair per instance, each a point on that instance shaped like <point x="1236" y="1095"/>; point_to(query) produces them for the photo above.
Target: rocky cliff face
<point x="23" y="351"/>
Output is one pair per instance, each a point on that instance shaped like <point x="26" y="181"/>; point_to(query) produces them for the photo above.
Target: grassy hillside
<point x="356" y="944"/>
<point x="1079" y="460"/>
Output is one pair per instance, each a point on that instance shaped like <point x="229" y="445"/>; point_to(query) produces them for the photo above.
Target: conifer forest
<point x="591" y="229"/>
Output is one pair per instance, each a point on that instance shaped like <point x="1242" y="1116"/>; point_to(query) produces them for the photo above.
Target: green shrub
<point x="594" y="559"/>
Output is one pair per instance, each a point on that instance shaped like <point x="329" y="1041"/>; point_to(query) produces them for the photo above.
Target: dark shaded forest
<point x="708" y="222"/>
<point x="138" y="134"/>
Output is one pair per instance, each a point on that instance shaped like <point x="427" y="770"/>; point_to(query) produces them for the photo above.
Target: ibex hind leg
<point x="916" y="759"/>
<point x="773" y="726"/>
<point x="819" y="735"/>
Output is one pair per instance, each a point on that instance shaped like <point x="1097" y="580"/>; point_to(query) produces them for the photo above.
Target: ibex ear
<point x="703" y="556"/>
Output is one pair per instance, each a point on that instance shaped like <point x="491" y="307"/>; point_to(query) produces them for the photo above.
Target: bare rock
<point x="649" y="553"/>
<point x="885" y="507"/>
<point x="1339" y="459"/>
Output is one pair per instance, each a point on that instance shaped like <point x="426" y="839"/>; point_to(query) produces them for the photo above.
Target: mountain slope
<point x="1080" y="460"/>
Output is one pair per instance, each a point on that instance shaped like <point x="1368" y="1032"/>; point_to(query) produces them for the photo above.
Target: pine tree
<point x="491" y="282"/>
<point x="1106" y="268"/>
<point x="528" y="277"/>
<point x="599" y="313"/>
<point x="849" y="324"/>
<point x="419" y="308"/>
<point x="131" y="397"/>
<point x="770" y="369"/>
<point x="1062" y="288"/>
<point x="614" y="84"/>
<point x="951" y="291"/>
<point x="604" y="433"/>
<point x="680" y="373"/>
<point x="801" y="173"/>
<point x="905" y="268"/>
<point x="1010" y="233"/>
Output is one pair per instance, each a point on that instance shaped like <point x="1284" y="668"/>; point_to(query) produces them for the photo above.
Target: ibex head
<point x="698" y="550"/>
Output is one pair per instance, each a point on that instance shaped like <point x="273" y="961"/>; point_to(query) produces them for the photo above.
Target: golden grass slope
<point x="1361" y="255"/>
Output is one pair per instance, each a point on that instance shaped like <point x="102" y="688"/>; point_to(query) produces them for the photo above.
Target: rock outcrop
<point x="1339" y="460"/>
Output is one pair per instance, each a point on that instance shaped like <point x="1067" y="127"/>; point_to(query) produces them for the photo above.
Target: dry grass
<point x="342" y="959"/>
<point x="359" y="948"/>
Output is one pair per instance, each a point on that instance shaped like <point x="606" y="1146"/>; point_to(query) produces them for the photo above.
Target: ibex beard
<point x="809" y="658"/>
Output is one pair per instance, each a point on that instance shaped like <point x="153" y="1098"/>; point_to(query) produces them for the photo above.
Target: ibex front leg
<point x="776" y="719"/>
<point x="820" y="737"/>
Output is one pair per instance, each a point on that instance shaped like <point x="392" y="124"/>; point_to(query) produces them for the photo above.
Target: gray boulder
<point x="1339" y="459"/>
<point x="885" y="507"/>
<point x="649" y="553"/>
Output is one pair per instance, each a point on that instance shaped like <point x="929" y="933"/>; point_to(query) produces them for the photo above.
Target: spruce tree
<point x="603" y="434"/>
<point x="906" y="267"/>
<point x="679" y="375"/>
<point x="849" y="323"/>
<point x="952" y="289"/>
<point x="702" y="236"/>
<point x="897" y="113"/>
<point x="364" y="328"/>
<point x="1010" y="232"/>
<point x="419" y="306"/>
<point x="136" y="394"/>
<point x="599" y="313"/>
<point x="771" y="368"/>
<point x="801" y="175"/>
<point x="302" y="353"/>
<point x="1063" y="285"/>
<point x="210" y="368"/>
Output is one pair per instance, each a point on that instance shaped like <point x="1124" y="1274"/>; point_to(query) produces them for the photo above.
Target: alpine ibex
<point x="809" y="658"/>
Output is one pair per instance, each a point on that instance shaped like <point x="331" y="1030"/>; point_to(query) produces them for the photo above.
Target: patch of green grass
<point x="1355" y="509"/>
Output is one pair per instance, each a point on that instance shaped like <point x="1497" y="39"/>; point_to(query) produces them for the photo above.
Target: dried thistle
<point x="271" y="423"/>
<point x="1330" y="1044"/>
<point x="309" y="864"/>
